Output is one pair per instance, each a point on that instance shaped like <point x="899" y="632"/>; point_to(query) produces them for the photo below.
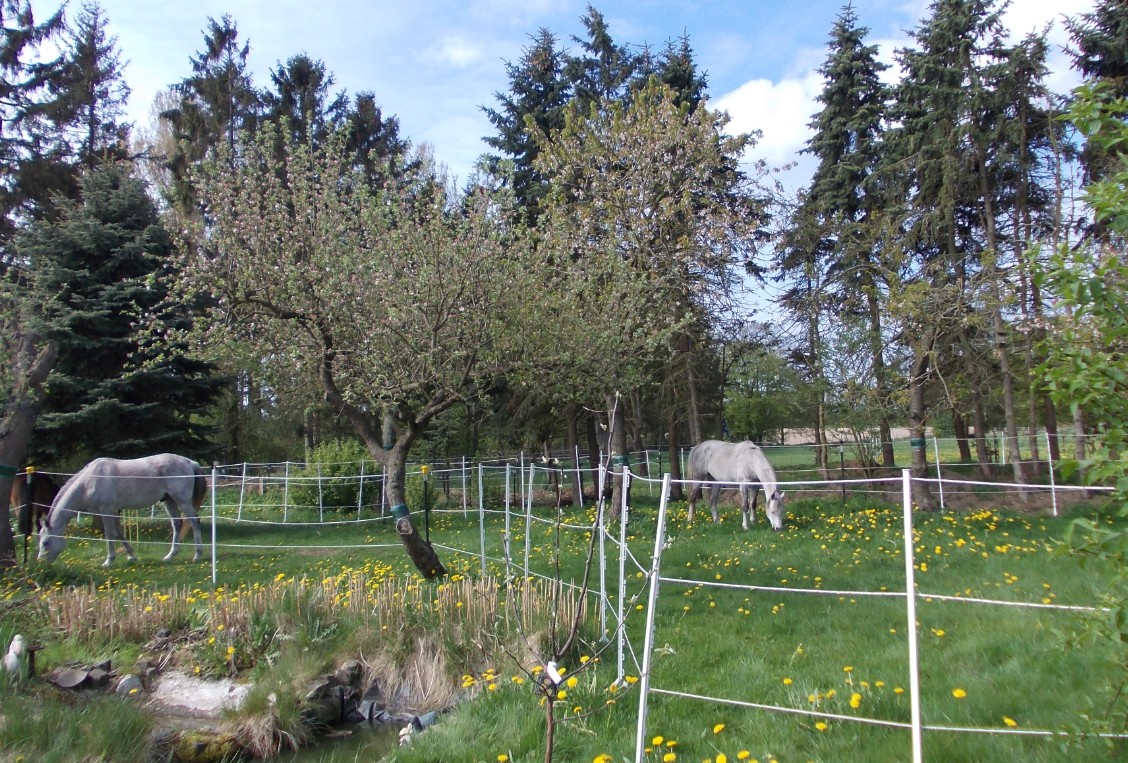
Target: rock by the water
<point x="129" y="685"/>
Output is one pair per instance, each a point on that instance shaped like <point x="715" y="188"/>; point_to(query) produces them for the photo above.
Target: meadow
<point x="803" y="620"/>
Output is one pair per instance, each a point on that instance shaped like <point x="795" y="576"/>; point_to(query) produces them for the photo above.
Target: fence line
<point x="910" y="594"/>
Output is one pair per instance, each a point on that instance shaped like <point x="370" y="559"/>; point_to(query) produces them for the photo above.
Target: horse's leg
<point x="177" y="523"/>
<point x="191" y="517"/>
<point x="111" y="524"/>
<point x="714" y="492"/>
<point x="694" y="494"/>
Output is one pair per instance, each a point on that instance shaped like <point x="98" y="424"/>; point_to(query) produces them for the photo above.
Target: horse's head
<point x="775" y="510"/>
<point x="50" y="545"/>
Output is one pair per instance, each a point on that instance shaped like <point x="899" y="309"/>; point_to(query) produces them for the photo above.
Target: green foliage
<point x="1086" y="353"/>
<point x="330" y="478"/>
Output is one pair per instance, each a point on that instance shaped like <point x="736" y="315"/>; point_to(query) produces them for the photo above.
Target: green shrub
<point x="337" y="463"/>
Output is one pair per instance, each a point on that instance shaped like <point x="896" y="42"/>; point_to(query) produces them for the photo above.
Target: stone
<point x="129" y="685"/>
<point x="350" y="673"/>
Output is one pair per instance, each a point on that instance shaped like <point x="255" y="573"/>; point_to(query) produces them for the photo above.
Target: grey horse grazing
<point x="105" y="486"/>
<point x="737" y="462"/>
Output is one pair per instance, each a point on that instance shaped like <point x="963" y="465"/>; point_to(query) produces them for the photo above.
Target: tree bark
<point x="673" y="448"/>
<point x="617" y="447"/>
<point x="32" y="361"/>
<point x="918" y="376"/>
<point x="402" y="428"/>
<point x="959" y="426"/>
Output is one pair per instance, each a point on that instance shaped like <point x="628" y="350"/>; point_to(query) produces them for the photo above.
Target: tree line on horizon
<point x="266" y="269"/>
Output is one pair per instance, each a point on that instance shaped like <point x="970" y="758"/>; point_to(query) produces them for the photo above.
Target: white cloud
<point x="781" y="110"/>
<point x="457" y="52"/>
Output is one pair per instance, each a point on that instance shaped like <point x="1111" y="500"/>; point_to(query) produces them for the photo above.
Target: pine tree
<point x="303" y="97"/>
<point x="537" y="95"/>
<point x="605" y="70"/>
<point x="1100" y="53"/>
<point x="93" y="93"/>
<point x="113" y="392"/>
<point x="834" y="238"/>
<point x="376" y="141"/>
<point x="26" y="144"/>
<point x="1100" y="40"/>
<point x="216" y="102"/>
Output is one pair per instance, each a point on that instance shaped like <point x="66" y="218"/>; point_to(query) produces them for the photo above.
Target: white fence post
<point x="528" y="527"/>
<point x="508" y="479"/>
<point x="320" y="496"/>
<point x="651" y="605"/>
<point x="910" y="606"/>
<point x="939" y="477"/>
<point x="360" y="492"/>
<point x="286" y="493"/>
<point x="242" y="490"/>
<point x="1050" y="462"/>
<point x="482" y="518"/>
<point x="215" y="473"/>
<point x="579" y="481"/>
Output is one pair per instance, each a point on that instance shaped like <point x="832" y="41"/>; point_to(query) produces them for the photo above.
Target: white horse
<point x="105" y="486"/>
<point x="739" y="462"/>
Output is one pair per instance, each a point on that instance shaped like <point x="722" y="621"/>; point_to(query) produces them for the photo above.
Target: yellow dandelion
<point x="722" y="758"/>
<point x="718" y="728"/>
<point x="669" y="757"/>
<point x="503" y="758"/>
<point x="959" y="693"/>
<point x="1010" y="722"/>
<point x="787" y="682"/>
<point x="820" y="726"/>
<point x="743" y="755"/>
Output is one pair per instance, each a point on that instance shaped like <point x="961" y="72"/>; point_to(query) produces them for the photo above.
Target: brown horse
<point x="32" y="495"/>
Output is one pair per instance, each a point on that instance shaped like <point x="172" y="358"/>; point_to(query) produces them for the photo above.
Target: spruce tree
<point x="93" y="93"/>
<point x="114" y="391"/>
<point x="215" y="103"/>
<point x="834" y="237"/>
<point x="27" y="142"/>
<point x="303" y="98"/>
<point x="537" y="95"/>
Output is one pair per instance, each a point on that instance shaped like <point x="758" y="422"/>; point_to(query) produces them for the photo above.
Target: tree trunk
<point x="918" y="376"/>
<point x="572" y="443"/>
<point x="31" y="362"/>
<point x="398" y="430"/>
<point x="617" y="447"/>
<point x="421" y="552"/>
<point x="880" y="378"/>
<point x="694" y="406"/>
<point x="982" y="452"/>
<point x="676" y="491"/>
<point x="959" y="426"/>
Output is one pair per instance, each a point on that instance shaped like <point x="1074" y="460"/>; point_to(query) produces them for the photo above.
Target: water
<point x="358" y="743"/>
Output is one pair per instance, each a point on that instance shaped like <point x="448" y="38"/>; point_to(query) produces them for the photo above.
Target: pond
<point x="358" y="742"/>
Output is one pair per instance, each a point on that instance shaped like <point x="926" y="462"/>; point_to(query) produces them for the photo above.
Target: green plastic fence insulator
<point x="399" y="511"/>
<point x="7" y="471"/>
<point x="916" y="442"/>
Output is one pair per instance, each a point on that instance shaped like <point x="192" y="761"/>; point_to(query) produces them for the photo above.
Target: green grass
<point x="773" y="647"/>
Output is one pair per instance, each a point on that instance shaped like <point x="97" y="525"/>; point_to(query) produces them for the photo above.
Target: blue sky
<point x="435" y="63"/>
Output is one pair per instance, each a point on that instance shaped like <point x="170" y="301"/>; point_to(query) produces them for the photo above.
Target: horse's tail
<point x="199" y="489"/>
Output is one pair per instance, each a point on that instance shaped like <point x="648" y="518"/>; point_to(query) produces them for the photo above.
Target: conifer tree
<point x="93" y="91"/>
<point x="113" y="392"/>
<point x="26" y="82"/>
<point x="535" y="102"/>
<point x="215" y="103"/>
<point x="834" y="246"/>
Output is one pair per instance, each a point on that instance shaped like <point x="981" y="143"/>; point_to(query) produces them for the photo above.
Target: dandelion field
<point x="836" y="653"/>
